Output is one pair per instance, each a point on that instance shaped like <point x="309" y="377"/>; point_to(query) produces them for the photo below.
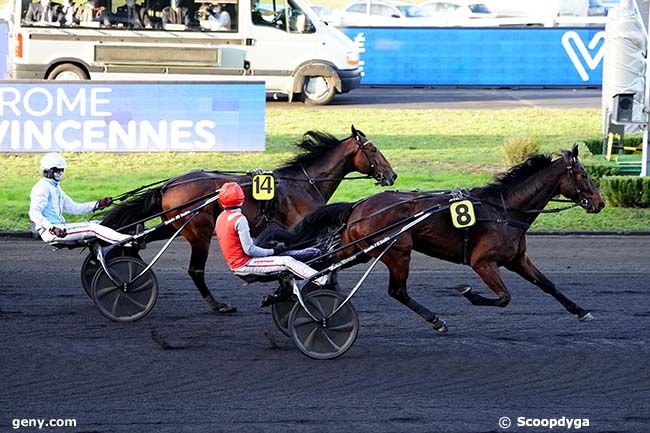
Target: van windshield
<point x="172" y="15"/>
<point x="274" y="13"/>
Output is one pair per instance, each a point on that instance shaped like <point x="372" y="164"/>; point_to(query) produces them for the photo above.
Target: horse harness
<point x="361" y="146"/>
<point x="463" y="194"/>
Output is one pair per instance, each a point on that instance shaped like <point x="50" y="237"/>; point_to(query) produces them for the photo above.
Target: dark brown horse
<point x="304" y="184"/>
<point x="505" y="209"/>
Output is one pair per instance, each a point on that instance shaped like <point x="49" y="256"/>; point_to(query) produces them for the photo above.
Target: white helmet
<point x="51" y="160"/>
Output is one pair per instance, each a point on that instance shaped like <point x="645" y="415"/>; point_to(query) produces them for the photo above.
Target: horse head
<point x="576" y="185"/>
<point x="367" y="159"/>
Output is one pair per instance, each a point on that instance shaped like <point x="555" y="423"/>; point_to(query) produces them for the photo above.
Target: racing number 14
<point x="462" y="214"/>
<point x="263" y="187"/>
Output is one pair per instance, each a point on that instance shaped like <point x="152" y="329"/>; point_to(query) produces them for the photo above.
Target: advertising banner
<point x="481" y="56"/>
<point x="4" y="48"/>
<point x="50" y="116"/>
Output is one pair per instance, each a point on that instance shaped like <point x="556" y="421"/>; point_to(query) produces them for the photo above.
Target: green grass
<point x="429" y="149"/>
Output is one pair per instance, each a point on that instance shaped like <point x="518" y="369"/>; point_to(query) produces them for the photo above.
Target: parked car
<point x="610" y="4"/>
<point x="546" y="9"/>
<point x="461" y="9"/>
<point x="382" y="13"/>
<point x="597" y="8"/>
<point x="323" y="12"/>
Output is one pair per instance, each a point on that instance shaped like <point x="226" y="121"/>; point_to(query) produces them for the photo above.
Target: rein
<point x="433" y="209"/>
<point x="133" y="192"/>
<point x="180" y="206"/>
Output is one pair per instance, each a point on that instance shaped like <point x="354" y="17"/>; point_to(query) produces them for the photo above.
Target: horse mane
<point x="322" y="221"/>
<point x="504" y="181"/>
<point x="314" y="145"/>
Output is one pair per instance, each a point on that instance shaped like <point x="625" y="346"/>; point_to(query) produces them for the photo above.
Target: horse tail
<point x="141" y="206"/>
<point x="322" y="221"/>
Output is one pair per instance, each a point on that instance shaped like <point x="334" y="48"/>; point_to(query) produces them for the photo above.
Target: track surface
<point x="60" y="359"/>
<point x="405" y="98"/>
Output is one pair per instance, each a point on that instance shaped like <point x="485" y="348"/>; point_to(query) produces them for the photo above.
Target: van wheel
<point x="67" y="72"/>
<point x="318" y="90"/>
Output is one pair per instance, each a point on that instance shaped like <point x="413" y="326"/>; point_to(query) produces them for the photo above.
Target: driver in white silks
<point x="48" y="202"/>
<point x="241" y="254"/>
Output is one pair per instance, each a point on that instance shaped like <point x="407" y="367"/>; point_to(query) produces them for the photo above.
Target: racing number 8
<point x="263" y="187"/>
<point x="462" y="214"/>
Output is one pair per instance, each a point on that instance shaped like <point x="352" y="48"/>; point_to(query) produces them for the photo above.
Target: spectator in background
<point x="175" y="14"/>
<point x="133" y="16"/>
<point x="218" y="15"/>
<point x="92" y="11"/>
<point x="67" y="13"/>
<point x="43" y="13"/>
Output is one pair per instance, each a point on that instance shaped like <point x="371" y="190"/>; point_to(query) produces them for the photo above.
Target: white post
<point x="645" y="157"/>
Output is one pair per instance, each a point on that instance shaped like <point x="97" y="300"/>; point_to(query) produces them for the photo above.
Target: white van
<point x="545" y="10"/>
<point x="279" y="41"/>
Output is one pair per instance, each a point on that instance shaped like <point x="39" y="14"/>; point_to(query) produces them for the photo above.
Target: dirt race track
<point x="60" y="358"/>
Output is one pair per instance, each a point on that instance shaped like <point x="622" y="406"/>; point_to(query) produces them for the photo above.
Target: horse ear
<point x="355" y="133"/>
<point x="574" y="150"/>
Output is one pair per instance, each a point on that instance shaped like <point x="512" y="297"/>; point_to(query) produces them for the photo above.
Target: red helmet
<point x="231" y="195"/>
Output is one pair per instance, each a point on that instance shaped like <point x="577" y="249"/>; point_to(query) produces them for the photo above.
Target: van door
<point x="281" y="38"/>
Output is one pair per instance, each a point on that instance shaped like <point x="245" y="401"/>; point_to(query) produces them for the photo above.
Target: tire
<point x="67" y="72"/>
<point x="91" y="266"/>
<point x="326" y="338"/>
<point x="282" y="310"/>
<point x="318" y="90"/>
<point x="128" y="302"/>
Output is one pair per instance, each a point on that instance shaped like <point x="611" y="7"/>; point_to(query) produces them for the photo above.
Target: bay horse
<point x="306" y="182"/>
<point x="504" y="209"/>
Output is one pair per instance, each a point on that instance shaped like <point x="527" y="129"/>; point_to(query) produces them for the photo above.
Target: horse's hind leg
<point x="398" y="263"/>
<point x="489" y="273"/>
<point x="200" y="251"/>
<point x="529" y="271"/>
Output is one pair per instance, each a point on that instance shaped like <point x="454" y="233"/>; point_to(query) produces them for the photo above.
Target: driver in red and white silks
<point x="48" y="202"/>
<point x="241" y="254"/>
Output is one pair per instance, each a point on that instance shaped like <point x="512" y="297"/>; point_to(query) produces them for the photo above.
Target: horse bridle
<point x="361" y="146"/>
<point x="584" y="202"/>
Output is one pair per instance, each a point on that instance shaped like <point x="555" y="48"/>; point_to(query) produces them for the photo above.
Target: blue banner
<point x="4" y="48"/>
<point x="47" y="116"/>
<point x="481" y="57"/>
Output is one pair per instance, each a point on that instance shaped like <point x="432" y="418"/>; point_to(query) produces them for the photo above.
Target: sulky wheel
<point x="282" y="310"/>
<point x="326" y="338"/>
<point x="130" y="301"/>
<point x="91" y="265"/>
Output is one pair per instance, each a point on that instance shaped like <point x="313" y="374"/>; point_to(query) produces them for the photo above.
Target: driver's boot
<point x="281" y="294"/>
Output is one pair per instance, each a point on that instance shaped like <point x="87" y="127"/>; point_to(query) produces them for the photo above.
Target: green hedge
<point x="599" y="169"/>
<point x="595" y="145"/>
<point x="626" y="191"/>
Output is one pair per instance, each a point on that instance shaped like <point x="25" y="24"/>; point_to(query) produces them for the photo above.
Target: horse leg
<point x="489" y="273"/>
<point x="398" y="265"/>
<point x="198" y="259"/>
<point x="526" y="269"/>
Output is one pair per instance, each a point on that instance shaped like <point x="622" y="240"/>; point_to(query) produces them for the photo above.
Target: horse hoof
<point x="224" y="309"/>
<point x="463" y="289"/>
<point x="586" y="317"/>
<point x="440" y="326"/>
